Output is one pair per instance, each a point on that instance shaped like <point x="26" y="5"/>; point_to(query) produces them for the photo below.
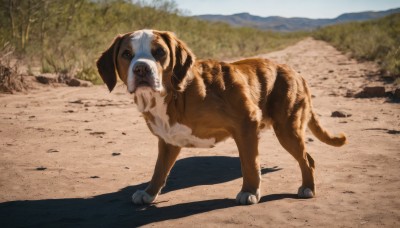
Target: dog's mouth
<point x="143" y="83"/>
<point x="146" y="83"/>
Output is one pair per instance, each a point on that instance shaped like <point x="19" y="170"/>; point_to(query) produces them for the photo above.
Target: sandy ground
<point x="57" y="167"/>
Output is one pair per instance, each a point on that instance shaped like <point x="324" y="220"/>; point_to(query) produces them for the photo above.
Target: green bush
<point x="70" y="35"/>
<point x="377" y="40"/>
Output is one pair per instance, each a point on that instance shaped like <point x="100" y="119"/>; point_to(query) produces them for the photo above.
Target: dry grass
<point x="10" y="80"/>
<point x="377" y="40"/>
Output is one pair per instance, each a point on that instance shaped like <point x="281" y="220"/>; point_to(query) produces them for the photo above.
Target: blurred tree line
<point x="68" y="36"/>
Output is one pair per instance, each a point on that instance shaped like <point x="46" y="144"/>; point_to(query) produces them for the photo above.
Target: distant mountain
<point x="284" y="24"/>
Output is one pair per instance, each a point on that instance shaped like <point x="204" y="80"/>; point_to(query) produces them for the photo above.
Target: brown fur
<point x="220" y="100"/>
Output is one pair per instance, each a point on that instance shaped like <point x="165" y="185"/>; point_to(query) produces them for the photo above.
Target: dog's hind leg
<point x="291" y="137"/>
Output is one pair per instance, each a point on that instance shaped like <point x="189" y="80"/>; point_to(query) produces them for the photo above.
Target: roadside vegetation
<point x="68" y="36"/>
<point x="377" y="40"/>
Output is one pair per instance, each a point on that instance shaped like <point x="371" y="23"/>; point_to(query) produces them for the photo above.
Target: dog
<point x="198" y="103"/>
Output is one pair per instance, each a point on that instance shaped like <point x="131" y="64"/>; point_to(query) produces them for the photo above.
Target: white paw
<point x="305" y="192"/>
<point x="141" y="197"/>
<point x="248" y="198"/>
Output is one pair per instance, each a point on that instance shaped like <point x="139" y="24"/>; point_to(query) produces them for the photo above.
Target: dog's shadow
<point x="196" y="171"/>
<point x="116" y="210"/>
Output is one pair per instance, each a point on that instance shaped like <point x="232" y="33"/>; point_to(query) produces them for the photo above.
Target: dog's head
<point x="147" y="59"/>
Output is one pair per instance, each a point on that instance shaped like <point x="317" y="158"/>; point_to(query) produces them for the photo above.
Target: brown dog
<point x="189" y="103"/>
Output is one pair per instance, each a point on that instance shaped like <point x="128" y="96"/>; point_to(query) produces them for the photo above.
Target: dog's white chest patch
<point x="176" y="134"/>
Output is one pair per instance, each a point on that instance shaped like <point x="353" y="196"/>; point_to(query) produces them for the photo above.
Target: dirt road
<point x="72" y="157"/>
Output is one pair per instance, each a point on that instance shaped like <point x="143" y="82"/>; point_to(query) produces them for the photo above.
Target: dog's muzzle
<point x="141" y="70"/>
<point x="143" y="75"/>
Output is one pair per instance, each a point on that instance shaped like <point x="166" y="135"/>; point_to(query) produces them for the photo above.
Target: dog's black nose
<point x="141" y="69"/>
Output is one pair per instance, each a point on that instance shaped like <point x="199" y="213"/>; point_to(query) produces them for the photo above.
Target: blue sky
<point x="285" y="8"/>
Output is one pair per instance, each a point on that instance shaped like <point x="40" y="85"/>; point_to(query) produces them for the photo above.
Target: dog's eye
<point x="159" y="53"/>
<point x="127" y="55"/>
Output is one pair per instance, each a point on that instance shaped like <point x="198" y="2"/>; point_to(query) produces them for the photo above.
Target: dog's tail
<point x="323" y="135"/>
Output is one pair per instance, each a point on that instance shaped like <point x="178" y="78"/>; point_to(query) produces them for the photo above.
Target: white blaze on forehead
<point x="141" y="45"/>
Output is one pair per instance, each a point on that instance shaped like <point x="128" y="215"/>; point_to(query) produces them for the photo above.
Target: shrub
<point x="10" y="80"/>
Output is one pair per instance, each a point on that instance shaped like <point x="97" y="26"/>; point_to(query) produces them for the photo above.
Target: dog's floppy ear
<point x="107" y="63"/>
<point x="182" y="59"/>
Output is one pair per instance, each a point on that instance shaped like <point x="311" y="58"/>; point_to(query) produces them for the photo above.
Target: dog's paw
<point x="247" y="197"/>
<point x="305" y="192"/>
<point x="141" y="197"/>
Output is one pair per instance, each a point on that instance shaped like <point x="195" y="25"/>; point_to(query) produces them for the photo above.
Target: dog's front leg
<point x="167" y="155"/>
<point x="247" y="142"/>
